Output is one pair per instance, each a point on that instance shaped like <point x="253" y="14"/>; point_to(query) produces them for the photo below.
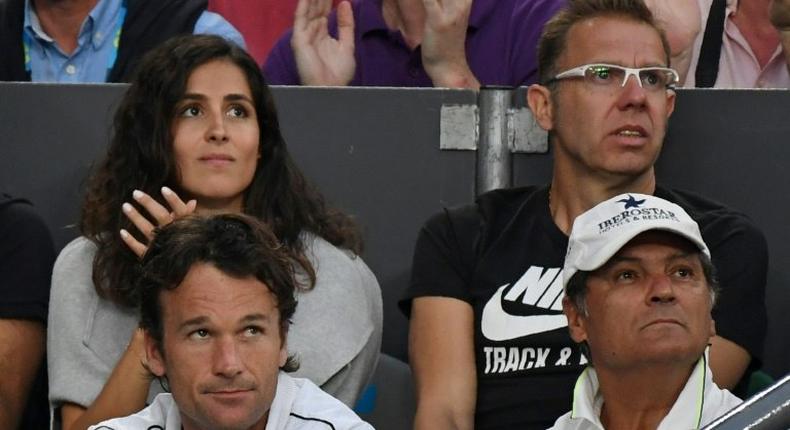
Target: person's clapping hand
<point x="681" y="22"/>
<point x="444" y="43"/>
<point x="321" y="59"/>
<point x="160" y="214"/>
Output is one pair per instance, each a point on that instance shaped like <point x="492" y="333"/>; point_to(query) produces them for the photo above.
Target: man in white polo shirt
<point x="639" y="289"/>
<point x="216" y="299"/>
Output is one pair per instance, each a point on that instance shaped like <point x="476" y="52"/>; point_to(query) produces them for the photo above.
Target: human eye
<point x="190" y="111"/>
<point x="603" y="74"/>
<point x="199" y="334"/>
<point x="683" y="272"/>
<point x="653" y="78"/>
<point x="625" y="275"/>
<point x="237" y="111"/>
<point x="253" y="330"/>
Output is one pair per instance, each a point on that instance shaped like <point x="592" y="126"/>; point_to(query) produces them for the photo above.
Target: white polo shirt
<point x="700" y="402"/>
<point x="298" y="404"/>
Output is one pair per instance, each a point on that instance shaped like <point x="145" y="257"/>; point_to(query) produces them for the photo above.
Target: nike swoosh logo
<point x="498" y="325"/>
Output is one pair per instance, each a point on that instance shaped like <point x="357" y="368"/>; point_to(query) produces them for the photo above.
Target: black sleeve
<point x="740" y="255"/>
<point x="444" y="257"/>
<point x="26" y="258"/>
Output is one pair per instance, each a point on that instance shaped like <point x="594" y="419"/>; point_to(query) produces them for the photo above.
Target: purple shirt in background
<point x="501" y="46"/>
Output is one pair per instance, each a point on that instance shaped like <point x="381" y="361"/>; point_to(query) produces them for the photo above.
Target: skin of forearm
<point x="431" y="420"/>
<point x="11" y="406"/>
<point x="453" y="77"/>
<point x="125" y="393"/>
<point x="22" y="345"/>
<point x="467" y="81"/>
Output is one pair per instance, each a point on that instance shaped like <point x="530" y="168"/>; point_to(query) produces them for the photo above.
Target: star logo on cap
<point x="631" y="202"/>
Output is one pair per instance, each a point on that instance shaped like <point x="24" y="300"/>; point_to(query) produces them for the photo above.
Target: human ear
<point x="283" y="354"/>
<point x="154" y="357"/>
<point x="670" y="102"/>
<point x="283" y="357"/>
<point x="576" y="320"/>
<point x="539" y="101"/>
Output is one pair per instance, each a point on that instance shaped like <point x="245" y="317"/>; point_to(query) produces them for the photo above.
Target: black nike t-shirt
<point x="504" y="256"/>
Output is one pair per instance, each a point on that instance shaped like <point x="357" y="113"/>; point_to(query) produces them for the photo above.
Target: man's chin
<point x="221" y="417"/>
<point x="672" y="354"/>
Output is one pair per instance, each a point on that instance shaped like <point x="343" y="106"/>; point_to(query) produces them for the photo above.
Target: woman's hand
<point x="160" y="214"/>
<point x="136" y="349"/>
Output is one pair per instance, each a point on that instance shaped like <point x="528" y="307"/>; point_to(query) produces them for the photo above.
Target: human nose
<point x="627" y="77"/>
<point x="632" y="94"/>
<point x="661" y="290"/>
<point x="216" y="131"/>
<point x="226" y="360"/>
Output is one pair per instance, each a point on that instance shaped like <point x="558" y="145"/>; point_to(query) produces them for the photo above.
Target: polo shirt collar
<point x="686" y="412"/>
<point x="587" y="400"/>
<point x="372" y="19"/>
<point x="32" y="24"/>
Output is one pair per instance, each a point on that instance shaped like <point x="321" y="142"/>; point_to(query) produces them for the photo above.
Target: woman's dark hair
<point x="140" y="156"/>
<point x="237" y="245"/>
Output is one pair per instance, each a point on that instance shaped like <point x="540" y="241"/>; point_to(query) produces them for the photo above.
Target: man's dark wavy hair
<point x="140" y="156"/>
<point x="238" y="245"/>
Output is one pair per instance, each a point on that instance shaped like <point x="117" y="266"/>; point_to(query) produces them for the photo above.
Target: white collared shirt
<point x="700" y="402"/>
<point x="298" y="405"/>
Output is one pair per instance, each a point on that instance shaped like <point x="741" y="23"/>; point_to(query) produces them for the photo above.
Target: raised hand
<point x="682" y="23"/>
<point x="160" y="214"/>
<point x="444" y="42"/>
<point x="320" y="58"/>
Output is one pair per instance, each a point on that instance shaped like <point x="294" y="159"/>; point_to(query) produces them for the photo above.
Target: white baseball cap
<point x="598" y="234"/>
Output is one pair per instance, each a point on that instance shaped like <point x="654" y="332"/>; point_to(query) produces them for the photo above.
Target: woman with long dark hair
<point x="199" y="123"/>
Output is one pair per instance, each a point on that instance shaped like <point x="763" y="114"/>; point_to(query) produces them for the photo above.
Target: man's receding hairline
<point x="613" y="15"/>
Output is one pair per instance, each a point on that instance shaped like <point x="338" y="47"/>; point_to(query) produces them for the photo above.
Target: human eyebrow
<point x="641" y="66"/>
<point x="617" y="259"/>
<point x="193" y="96"/>
<point x="237" y="97"/>
<point x="192" y="323"/>
<point x="681" y="256"/>
<point x="256" y="317"/>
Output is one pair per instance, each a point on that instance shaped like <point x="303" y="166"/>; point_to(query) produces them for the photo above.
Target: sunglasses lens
<point x="600" y="74"/>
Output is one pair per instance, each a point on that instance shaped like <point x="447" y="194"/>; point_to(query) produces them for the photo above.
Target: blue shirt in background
<point x="97" y="47"/>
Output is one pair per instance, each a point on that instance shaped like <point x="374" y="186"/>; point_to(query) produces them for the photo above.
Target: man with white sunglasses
<point x="489" y="344"/>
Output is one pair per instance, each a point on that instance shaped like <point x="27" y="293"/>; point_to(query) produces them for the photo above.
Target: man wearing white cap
<point x="639" y="289"/>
